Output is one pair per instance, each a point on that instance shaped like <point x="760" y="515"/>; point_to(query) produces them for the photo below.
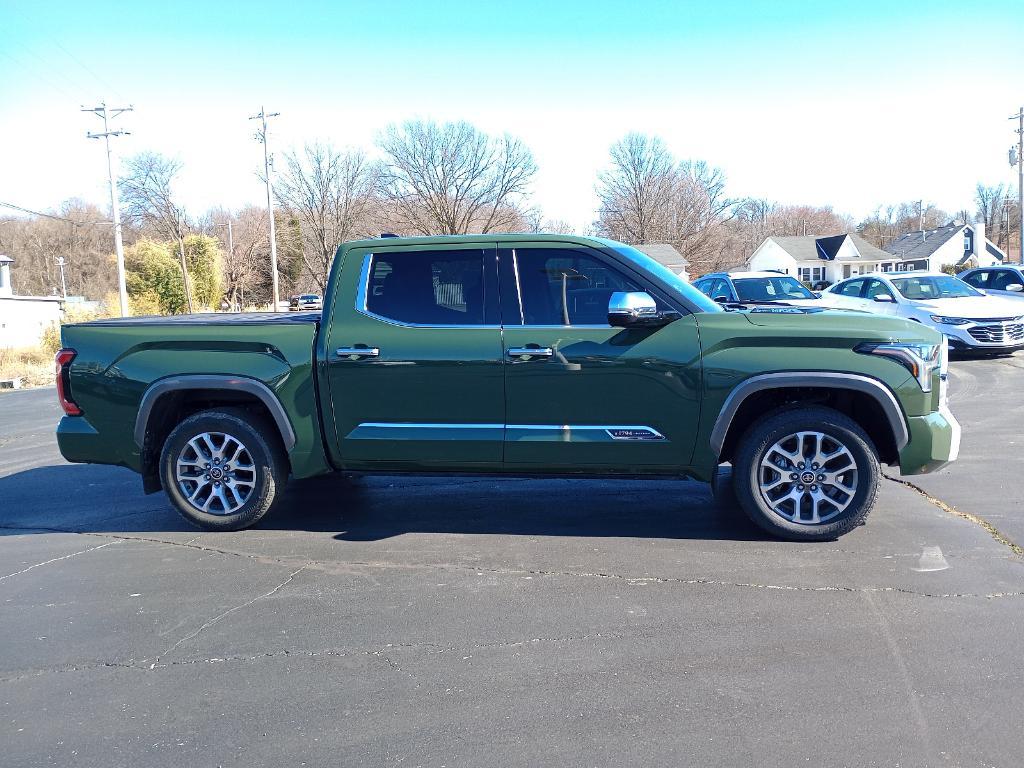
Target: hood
<point x="975" y="307"/>
<point x="843" y="324"/>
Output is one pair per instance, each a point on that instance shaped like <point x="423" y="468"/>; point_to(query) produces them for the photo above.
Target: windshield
<point x="780" y="288"/>
<point x="666" y="275"/>
<point x="930" y="287"/>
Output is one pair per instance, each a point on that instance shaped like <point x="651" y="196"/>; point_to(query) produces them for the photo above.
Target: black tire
<point x="793" y="519"/>
<point x="264" y="482"/>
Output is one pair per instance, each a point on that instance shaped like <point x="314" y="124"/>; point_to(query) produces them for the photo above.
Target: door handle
<point x="355" y="352"/>
<point x="530" y="352"/>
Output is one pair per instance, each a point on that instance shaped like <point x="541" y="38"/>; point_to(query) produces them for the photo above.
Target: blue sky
<point x="852" y="104"/>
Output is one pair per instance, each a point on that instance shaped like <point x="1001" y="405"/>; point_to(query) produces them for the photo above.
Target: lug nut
<point x="814" y="487"/>
<point x="821" y="478"/>
<point x="814" y="466"/>
<point x="793" y="476"/>
<point x="799" y="487"/>
<point x="207" y="465"/>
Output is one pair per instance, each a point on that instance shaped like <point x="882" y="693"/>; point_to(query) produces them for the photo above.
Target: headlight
<point x="920" y="359"/>
<point x="942" y="319"/>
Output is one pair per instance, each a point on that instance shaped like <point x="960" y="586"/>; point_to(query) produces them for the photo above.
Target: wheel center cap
<point x="807" y="477"/>
<point x="216" y="473"/>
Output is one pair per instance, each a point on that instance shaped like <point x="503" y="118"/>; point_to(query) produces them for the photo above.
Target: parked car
<point x="756" y="288"/>
<point x="1006" y="281"/>
<point x="305" y="301"/>
<point x="510" y="355"/>
<point x="968" y="318"/>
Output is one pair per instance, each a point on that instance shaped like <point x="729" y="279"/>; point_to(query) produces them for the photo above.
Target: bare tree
<point x="78" y="232"/>
<point x="333" y="195"/>
<point x="635" y="191"/>
<point x="452" y="179"/>
<point x="147" y="196"/>
<point x="647" y="196"/>
<point x="991" y="201"/>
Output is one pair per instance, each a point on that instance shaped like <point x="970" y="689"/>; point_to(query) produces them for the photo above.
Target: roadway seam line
<point x="57" y="559"/>
<point x="994" y="532"/>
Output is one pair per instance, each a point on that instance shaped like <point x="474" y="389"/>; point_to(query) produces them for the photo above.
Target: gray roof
<point x="918" y="245"/>
<point x="665" y="254"/>
<point x="825" y="247"/>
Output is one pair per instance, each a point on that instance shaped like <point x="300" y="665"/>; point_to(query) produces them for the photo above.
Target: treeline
<point x="427" y="178"/>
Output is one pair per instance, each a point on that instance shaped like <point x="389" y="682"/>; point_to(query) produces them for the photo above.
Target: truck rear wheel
<point x="806" y="474"/>
<point x="223" y="469"/>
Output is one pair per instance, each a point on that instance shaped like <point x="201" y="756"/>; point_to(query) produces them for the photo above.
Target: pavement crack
<point x="994" y="532"/>
<point x="228" y="612"/>
<point x="57" y="559"/>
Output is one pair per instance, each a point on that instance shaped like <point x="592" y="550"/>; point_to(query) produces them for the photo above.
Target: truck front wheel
<point x="223" y="469"/>
<point x="806" y="474"/>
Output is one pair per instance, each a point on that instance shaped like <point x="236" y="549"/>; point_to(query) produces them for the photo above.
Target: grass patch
<point x="33" y="365"/>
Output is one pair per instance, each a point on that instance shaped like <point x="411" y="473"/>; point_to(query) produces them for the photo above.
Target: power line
<point x="51" y="216"/>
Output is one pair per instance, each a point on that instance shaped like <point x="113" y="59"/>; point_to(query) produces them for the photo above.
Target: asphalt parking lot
<point x="448" y="622"/>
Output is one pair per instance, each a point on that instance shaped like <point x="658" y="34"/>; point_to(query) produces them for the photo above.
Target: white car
<point x="967" y="317"/>
<point x="756" y="288"/>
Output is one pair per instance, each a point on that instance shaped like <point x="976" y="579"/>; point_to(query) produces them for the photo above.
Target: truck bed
<point x="214" y="318"/>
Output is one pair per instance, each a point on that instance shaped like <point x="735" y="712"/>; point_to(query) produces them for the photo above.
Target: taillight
<point x="63" y="360"/>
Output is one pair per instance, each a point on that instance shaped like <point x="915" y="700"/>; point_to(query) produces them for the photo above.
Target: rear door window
<point x="427" y="287"/>
<point x="851" y="288"/>
<point x="977" y="279"/>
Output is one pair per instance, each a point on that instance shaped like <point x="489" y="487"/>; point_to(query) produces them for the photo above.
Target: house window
<point x="967" y="241"/>
<point x="812" y="274"/>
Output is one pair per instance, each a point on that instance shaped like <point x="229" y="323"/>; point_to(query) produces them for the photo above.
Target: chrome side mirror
<point x="627" y="309"/>
<point x="1015" y="287"/>
<point x="885" y="298"/>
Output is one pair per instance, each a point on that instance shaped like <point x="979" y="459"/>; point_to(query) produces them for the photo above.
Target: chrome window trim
<point x="361" y="298"/>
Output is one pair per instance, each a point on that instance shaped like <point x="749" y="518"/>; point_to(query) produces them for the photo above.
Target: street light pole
<point x="63" y="285"/>
<point x="261" y="136"/>
<point x="115" y="202"/>
<point x="231" y="241"/>
<point x="1019" y="117"/>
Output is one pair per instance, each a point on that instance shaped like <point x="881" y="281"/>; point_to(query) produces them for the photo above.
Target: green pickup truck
<point x="511" y="355"/>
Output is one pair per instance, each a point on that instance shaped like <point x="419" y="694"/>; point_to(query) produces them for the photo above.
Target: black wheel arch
<point x="168" y="401"/>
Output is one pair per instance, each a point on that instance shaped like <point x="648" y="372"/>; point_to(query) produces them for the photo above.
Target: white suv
<point x="967" y="317"/>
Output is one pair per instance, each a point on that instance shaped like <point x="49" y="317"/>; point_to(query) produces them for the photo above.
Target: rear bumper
<point x="79" y="442"/>
<point x="934" y="442"/>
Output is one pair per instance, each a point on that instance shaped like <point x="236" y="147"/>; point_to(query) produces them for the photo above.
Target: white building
<point x="959" y="245"/>
<point x="814" y="259"/>
<point x="23" y="319"/>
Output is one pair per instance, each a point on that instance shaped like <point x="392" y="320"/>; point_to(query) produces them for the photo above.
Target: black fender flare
<point x="252" y="387"/>
<point x="822" y="379"/>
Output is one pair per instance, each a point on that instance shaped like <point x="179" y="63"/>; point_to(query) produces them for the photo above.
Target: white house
<point x="668" y="256"/>
<point x="959" y="245"/>
<point x="815" y="259"/>
<point x="24" y="318"/>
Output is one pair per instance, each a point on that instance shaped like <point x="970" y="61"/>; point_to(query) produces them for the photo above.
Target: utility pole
<point x="261" y="136"/>
<point x="1019" y="117"/>
<point x="108" y="113"/>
